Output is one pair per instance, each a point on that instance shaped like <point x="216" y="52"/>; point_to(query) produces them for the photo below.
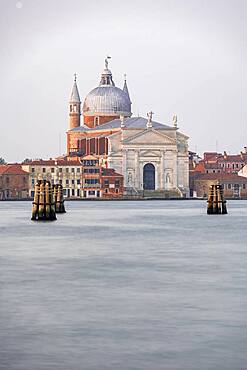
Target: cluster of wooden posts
<point x="48" y="200"/>
<point x="216" y="201"/>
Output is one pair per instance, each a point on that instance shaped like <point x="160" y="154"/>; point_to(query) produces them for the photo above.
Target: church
<point x="152" y="156"/>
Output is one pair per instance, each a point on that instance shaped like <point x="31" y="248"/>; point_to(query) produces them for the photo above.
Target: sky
<point x="181" y="57"/>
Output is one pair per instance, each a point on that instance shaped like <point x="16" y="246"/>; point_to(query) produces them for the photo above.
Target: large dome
<point x="107" y="100"/>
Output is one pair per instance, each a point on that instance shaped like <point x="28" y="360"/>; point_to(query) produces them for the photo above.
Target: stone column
<point x="124" y="170"/>
<point x="162" y="169"/>
<point x="137" y="172"/>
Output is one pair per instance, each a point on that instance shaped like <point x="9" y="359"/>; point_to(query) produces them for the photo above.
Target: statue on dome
<point x="150" y="116"/>
<point x="175" y="120"/>
<point x="106" y="61"/>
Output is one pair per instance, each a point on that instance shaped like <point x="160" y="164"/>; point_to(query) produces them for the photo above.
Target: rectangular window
<point x="92" y="181"/>
<point x="72" y="182"/>
<point x="60" y="170"/>
<point x="78" y="182"/>
<point x="67" y="170"/>
<point x="43" y="170"/>
<point x="52" y="170"/>
<point x="67" y="182"/>
<point x="244" y="186"/>
<point x="33" y="170"/>
<point x="72" y="192"/>
<point x="236" y="165"/>
<point x="78" y="192"/>
<point x="229" y="186"/>
<point x="72" y="170"/>
<point x="106" y="183"/>
<point x="117" y="183"/>
<point x="78" y="170"/>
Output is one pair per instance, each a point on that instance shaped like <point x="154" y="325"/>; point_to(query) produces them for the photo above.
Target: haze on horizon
<point x="181" y="57"/>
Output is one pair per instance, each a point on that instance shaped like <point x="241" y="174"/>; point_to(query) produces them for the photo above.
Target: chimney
<point x="225" y="155"/>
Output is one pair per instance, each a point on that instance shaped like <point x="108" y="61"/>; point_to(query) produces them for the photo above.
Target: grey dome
<point x="107" y="99"/>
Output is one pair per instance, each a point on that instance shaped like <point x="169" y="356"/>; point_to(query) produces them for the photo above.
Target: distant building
<point x="234" y="186"/>
<point x="216" y="163"/>
<point x="98" y="181"/>
<point x="14" y="182"/>
<point x="85" y="178"/>
<point x="151" y="156"/>
<point x="66" y="173"/>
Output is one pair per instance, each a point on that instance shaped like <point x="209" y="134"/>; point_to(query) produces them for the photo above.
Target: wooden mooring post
<point x="58" y="198"/>
<point x="43" y="204"/>
<point x="216" y="201"/>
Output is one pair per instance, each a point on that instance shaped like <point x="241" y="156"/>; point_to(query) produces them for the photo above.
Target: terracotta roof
<point x="200" y="167"/>
<point x="234" y="158"/>
<point x="52" y="162"/>
<point x="12" y="169"/>
<point x="221" y="177"/>
<point x="110" y="172"/>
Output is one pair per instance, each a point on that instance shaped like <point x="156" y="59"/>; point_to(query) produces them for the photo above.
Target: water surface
<point x="140" y="285"/>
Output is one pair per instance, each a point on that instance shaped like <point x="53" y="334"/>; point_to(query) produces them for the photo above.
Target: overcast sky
<point x="184" y="57"/>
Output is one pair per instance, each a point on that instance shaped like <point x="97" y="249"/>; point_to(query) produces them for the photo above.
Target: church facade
<point x="152" y="156"/>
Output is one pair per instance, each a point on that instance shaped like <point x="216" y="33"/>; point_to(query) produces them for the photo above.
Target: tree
<point x="27" y="160"/>
<point x="2" y="161"/>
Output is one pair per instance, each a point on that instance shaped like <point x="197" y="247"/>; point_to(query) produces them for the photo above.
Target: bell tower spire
<point x="125" y="87"/>
<point x="74" y="106"/>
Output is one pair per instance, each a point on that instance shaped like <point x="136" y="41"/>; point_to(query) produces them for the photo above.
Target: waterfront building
<point x="217" y="163"/>
<point x="234" y="186"/>
<point x="84" y="178"/>
<point x="13" y="182"/>
<point x="61" y="171"/>
<point x="151" y="156"/>
<point x="98" y="181"/>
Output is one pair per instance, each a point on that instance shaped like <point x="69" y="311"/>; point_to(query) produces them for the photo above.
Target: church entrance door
<point x="149" y="177"/>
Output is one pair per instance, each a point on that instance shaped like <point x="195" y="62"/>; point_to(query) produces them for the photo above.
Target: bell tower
<point x="74" y="107"/>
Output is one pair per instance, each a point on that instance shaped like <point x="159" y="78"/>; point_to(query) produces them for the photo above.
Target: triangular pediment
<point x="150" y="136"/>
<point x="149" y="153"/>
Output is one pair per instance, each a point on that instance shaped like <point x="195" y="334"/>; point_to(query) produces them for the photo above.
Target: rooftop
<point x="12" y="169"/>
<point x="129" y="123"/>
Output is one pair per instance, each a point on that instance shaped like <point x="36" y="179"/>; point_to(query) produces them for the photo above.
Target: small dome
<point x="107" y="99"/>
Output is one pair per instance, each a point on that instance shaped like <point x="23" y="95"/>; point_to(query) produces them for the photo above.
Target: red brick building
<point x="14" y="182"/>
<point x="103" y="104"/>
<point x="98" y="181"/>
<point x="216" y="163"/>
<point x="112" y="183"/>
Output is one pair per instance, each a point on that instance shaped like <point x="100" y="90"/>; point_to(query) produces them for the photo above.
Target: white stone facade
<point x="165" y="149"/>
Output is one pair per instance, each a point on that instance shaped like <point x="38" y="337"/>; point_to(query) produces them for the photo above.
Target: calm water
<point x="124" y="285"/>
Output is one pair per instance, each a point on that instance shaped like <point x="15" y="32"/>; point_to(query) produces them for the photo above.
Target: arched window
<point x="149" y="177"/>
